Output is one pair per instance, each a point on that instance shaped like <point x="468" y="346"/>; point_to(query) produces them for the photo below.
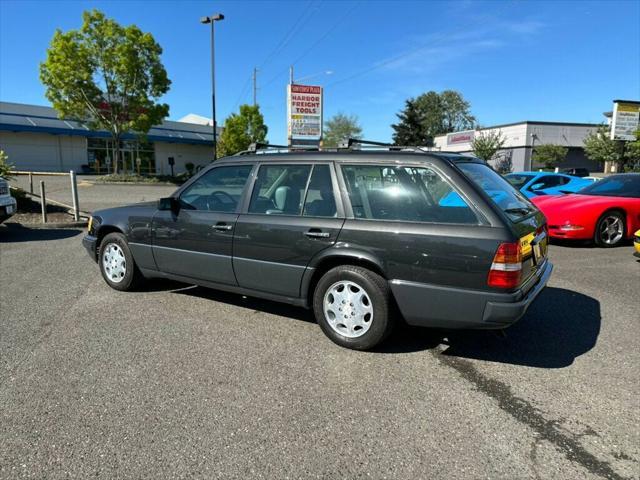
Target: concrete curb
<point x="44" y="226"/>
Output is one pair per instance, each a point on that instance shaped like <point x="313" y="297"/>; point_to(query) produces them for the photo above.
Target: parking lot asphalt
<point x="177" y="381"/>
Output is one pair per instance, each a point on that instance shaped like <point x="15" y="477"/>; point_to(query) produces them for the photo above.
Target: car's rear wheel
<point x="610" y="229"/>
<point x="352" y="306"/>
<point x="116" y="262"/>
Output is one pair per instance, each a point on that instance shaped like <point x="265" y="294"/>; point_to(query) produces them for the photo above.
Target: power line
<point x="293" y="31"/>
<point x="279" y="47"/>
<point x="314" y="45"/>
<point x="243" y="92"/>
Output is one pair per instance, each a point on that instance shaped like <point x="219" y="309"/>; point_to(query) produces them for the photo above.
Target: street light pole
<point x="212" y="19"/>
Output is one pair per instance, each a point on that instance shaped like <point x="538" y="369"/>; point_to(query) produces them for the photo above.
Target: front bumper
<point x="446" y="307"/>
<point x="555" y="232"/>
<point x="89" y="242"/>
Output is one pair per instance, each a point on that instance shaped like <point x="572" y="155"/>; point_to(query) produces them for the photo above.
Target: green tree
<point x="432" y="114"/>
<point x="549" y="154"/>
<point x="5" y="166"/>
<point x="598" y="146"/>
<point x="632" y="154"/>
<point x="106" y="75"/>
<point x="486" y="144"/>
<point x="340" y="128"/>
<point x="241" y="130"/>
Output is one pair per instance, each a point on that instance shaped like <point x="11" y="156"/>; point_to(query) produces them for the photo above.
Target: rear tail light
<point x="506" y="269"/>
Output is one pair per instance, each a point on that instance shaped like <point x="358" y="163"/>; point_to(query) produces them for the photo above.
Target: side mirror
<point x="169" y="203"/>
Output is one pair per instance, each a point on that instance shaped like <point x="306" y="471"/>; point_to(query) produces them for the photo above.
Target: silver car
<point x="7" y="202"/>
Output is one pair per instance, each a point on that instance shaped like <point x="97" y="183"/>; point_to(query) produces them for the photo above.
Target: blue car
<point x="532" y="184"/>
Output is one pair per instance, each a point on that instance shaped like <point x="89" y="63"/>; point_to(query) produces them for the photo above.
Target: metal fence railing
<point x="24" y="180"/>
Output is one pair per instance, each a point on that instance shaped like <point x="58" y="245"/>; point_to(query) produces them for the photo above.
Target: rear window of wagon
<point x="515" y="205"/>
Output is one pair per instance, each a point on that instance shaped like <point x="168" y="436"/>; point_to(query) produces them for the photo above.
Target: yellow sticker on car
<point x="525" y="244"/>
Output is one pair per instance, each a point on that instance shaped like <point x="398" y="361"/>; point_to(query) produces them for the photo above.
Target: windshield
<point x="626" y="185"/>
<point x="518" y="180"/>
<point x="510" y="200"/>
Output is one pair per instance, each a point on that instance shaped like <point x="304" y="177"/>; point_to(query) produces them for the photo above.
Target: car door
<point x="195" y="241"/>
<point x="293" y="213"/>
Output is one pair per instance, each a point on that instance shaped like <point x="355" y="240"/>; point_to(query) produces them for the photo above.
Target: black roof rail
<point x="259" y="147"/>
<point x="358" y="143"/>
<point x="351" y="144"/>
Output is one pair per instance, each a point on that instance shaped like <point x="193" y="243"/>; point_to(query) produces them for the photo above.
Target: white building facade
<point x="521" y="138"/>
<point x="35" y="139"/>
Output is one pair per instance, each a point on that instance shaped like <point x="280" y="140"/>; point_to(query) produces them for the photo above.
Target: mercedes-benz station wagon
<point x="364" y="238"/>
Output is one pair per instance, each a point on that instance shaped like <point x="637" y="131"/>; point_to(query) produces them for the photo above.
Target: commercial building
<point x="522" y="137"/>
<point x="35" y="139"/>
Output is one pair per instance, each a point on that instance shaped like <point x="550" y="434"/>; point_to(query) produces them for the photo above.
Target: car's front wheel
<point x="610" y="229"/>
<point x="116" y="262"/>
<point x="352" y="306"/>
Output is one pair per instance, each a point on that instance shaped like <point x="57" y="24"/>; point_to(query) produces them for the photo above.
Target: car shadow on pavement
<point x="559" y="327"/>
<point x="13" y="232"/>
<point x="252" y="303"/>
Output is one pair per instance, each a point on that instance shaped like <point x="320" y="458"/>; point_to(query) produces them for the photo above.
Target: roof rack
<point x="351" y="144"/>
<point x="261" y="148"/>
<point x="361" y="144"/>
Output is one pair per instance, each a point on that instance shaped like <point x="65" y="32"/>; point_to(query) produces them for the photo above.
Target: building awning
<point x="20" y="118"/>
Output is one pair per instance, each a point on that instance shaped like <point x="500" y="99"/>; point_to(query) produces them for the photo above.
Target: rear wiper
<point x="520" y="210"/>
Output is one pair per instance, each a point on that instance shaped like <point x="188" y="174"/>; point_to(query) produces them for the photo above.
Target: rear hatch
<point x="526" y="221"/>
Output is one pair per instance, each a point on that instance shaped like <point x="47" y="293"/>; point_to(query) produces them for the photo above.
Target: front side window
<point x="218" y="190"/>
<point x="547" y="181"/>
<point x="279" y="189"/>
<point x="413" y="194"/>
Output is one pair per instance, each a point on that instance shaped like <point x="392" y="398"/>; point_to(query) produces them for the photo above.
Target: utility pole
<point x="255" y="86"/>
<point x="291" y="75"/>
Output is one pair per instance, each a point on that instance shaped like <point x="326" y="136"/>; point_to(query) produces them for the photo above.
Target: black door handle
<point x="317" y="233"/>
<point x="223" y="227"/>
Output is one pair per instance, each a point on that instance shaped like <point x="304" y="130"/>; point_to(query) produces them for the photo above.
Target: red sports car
<point x="608" y="212"/>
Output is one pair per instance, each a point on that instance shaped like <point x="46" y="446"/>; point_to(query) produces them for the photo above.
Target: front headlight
<point x="90" y="225"/>
<point x="570" y="227"/>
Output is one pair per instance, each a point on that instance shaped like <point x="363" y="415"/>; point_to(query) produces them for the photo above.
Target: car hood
<point x="570" y="202"/>
<point x="134" y="207"/>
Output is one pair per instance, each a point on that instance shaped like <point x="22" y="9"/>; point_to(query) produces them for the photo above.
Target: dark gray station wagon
<point x="362" y="237"/>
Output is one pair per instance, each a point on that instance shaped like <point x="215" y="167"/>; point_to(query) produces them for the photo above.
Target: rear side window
<point x="320" y="200"/>
<point x="511" y="201"/>
<point x="412" y="194"/>
<point x="279" y="189"/>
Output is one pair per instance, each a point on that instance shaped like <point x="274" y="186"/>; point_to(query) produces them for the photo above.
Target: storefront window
<point x="101" y="152"/>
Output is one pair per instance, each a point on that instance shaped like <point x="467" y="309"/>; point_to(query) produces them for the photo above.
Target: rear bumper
<point x="445" y="307"/>
<point x="89" y="242"/>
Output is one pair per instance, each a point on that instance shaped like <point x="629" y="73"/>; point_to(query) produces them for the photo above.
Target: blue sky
<point x="513" y="60"/>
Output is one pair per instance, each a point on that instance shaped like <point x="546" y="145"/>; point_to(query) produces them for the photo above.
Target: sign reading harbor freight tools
<point x="304" y="115"/>
<point x="626" y="120"/>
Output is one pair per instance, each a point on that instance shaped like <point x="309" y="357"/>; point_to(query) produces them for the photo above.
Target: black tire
<point x="600" y="238"/>
<point x="132" y="277"/>
<point x="375" y="287"/>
